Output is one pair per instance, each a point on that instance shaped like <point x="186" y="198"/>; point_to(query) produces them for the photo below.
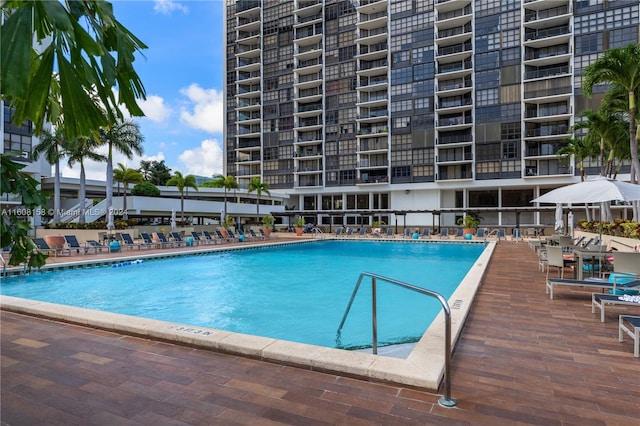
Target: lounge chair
<point x="459" y="233"/>
<point x="264" y="234"/>
<point x="390" y="233"/>
<point x="406" y="233"/>
<point x="630" y="325"/>
<point x="231" y="235"/>
<point x="73" y="244"/>
<point x="601" y="300"/>
<point x="339" y="231"/>
<point x="165" y="241"/>
<point x="591" y="284"/>
<point x="444" y="233"/>
<point x="255" y="236"/>
<point x="43" y="247"/>
<point x="501" y="234"/>
<point x="196" y="238"/>
<point x="210" y="239"/>
<point x="222" y="238"/>
<point x="150" y="241"/>
<point x="177" y="238"/>
<point x="99" y="246"/>
<point x="426" y="233"/>
<point x="128" y="242"/>
<point x="362" y="232"/>
<point x="349" y="232"/>
<point x="481" y="233"/>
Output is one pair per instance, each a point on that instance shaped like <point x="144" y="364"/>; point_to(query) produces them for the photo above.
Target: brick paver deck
<point x="522" y="359"/>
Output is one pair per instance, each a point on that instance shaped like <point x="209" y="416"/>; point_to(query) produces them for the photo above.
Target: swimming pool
<point x="295" y="292"/>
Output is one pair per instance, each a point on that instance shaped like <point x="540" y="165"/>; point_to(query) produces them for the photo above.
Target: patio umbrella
<point x="559" y="225"/>
<point x="598" y="189"/>
<point x="173" y="219"/>
<point x="110" y="224"/>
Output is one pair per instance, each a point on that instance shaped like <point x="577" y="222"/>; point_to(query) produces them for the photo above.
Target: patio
<point x="522" y="359"/>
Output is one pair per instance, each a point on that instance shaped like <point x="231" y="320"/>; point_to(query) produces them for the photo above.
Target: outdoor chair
<point x="255" y="236"/>
<point x="444" y="233"/>
<point x="73" y="244"/>
<point x="426" y="233"/>
<point x="98" y="245"/>
<point x="600" y="301"/>
<point x="128" y="242"/>
<point x="614" y="285"/>
<point x="43" y="247"/>
<point x="165" y="241"/>
<point x="222" y="238"/>
<point x="630" y="325"/>
<point x="557" y="259"/>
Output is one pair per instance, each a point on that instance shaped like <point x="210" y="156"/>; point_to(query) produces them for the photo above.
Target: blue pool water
<point x="293" y="292"/>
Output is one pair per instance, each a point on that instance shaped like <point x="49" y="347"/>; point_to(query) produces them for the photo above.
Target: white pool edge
<point x="423" y="368"/>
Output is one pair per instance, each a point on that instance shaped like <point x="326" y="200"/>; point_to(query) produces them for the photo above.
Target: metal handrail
<point x="446" y="400"/>
<point x="4" y="266"/>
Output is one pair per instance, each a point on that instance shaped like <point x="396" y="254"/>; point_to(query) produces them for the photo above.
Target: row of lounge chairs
<point x="445" y="233"/>
<point x="155" y="240"/>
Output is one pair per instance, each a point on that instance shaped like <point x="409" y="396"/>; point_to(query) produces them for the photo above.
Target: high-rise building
<point x="368" y="109"/>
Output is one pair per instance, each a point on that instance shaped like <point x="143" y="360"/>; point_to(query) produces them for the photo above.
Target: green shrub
<point x="145" y="189"/>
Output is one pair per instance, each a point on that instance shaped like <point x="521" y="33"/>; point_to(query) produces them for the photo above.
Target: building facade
<point x="379" y="109"/>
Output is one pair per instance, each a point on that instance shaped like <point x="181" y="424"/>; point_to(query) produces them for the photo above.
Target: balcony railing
<point x="546" y="33"/>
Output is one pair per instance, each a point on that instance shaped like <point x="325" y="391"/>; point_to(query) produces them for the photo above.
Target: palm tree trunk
<point x="125" y="215"/>
<point x="56" y="194"/>
<point x="83" y="194"/>
<point x="225" y="202"/>
<point x="633" y="142"/>
<point x="109" y="179"/>
<point x="181" y="207"/>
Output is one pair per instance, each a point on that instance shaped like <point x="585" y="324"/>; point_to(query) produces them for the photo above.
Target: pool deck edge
<point x="423" y="368"/>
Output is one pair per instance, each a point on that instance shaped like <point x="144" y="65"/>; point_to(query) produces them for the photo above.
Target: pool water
<point x="293" y="292"/>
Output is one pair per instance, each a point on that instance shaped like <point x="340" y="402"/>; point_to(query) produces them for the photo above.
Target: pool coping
<point x="411" y="371"/>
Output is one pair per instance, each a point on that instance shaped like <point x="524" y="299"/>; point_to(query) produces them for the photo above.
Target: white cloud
<point x="205" y="160"/>
<point x="207" y="109"/>
<point x="155" y="109"/>
<point x="165" y="7"/>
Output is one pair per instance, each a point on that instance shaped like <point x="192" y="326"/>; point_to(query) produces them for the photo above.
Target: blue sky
<point x="182" y="71"/>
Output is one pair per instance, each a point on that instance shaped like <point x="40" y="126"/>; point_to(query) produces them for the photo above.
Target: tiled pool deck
<point x="521" y="359"/>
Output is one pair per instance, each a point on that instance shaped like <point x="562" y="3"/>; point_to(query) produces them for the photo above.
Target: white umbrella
<point x="559" y="225"/>
<point x="110" y="224"/>
<point x="173" y="219"/>
<point x="598" y="189"/>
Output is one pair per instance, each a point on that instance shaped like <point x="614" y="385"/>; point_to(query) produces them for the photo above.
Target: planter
<point x="467" y="231"/>
<point x="267" y="232"/>
<point x="55" y="242"/>
<point x="299" y="231"/>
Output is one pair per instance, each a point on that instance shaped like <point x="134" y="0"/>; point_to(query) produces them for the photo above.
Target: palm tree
<point x="126" y="176"/>
<point x="124" y="137"/>
<point x="226" y="182"/>
<point x="621" y="68"/>
<point x="77" y="151"/>
<point x="182" y="182"/>
<point x="581" y="149"/>
<point x="604" y="128"/>
<point x="255" y="184"/>
<point x="51" y="146"/>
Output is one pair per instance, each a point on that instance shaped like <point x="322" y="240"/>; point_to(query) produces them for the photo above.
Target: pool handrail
<point x="446" y="400"/>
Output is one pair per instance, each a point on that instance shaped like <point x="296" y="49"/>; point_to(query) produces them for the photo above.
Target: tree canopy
<point x="64" y="59"/>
